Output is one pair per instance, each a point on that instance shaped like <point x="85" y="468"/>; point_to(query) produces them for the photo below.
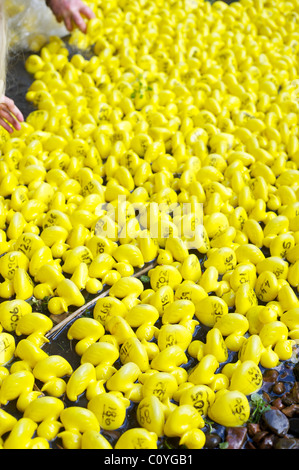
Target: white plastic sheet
<point x="30" y="24"/>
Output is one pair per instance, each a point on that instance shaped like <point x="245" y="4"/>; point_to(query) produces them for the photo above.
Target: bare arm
<point x="71" y="12"/>
<point x="10" y="115"/>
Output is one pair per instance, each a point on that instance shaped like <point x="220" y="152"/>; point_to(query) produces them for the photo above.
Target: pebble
<point x="249" y="446"/>
<point x="270" y="375"/>
<point x="236" y="437"/>
<point x="292" y="396"/>
<point x="278" y="404"/>
<point x="286" y="443"/>
<point x="259" y="437"/>
<point x="278" y="388"/>
<point x="294" y="426"/>
<point x="252" y="429"/>
<point x="291" y="410"/>
<point x="296" y="371"/>
<point x="278" y="428"/>
<point x="275" y="421"/>
<point x="268" y="441"/>
<point x="212" y="441"/>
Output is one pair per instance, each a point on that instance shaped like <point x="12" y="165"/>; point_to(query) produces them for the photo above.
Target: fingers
<point x="5" y="126"/>
<point x="68" y="22"/>
<point x="13" y="108"/>
<point x="10" y="115"/>
<point x="87" y="12"/>
<point x="78" y="19"/>
<point x="71" y="12"/>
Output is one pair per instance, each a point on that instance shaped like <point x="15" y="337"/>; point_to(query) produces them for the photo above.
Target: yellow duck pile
<point x="181" y="104"/>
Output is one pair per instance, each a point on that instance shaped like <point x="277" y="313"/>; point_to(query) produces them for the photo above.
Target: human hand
<point x="10" y="115"/>
<point x="71" y="12"/>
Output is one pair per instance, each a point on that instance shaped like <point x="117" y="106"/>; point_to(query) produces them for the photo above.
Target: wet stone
<point x="270" y="375"/>
<point x="296" y="371"/>
<point x="294" y="393"/>
<point x="278" y="388"/>
<point x="294" y="426"/>
<point x="253" y="429"/>
<point x="259" y="437"/>
<point x="235" y="437"/>
<point x="275" y="421"/>
<point x="266" y="397"/>
<point x="287" y="399"/>
<point x="212" y="441"/>
<point x="291" y="410"/>
<point x="277" y="403"/>
<point x="267" y="442"/>
<point x="292" y="396"/>
<point x="286" y="443"/>
<point x="249" y="445"/>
